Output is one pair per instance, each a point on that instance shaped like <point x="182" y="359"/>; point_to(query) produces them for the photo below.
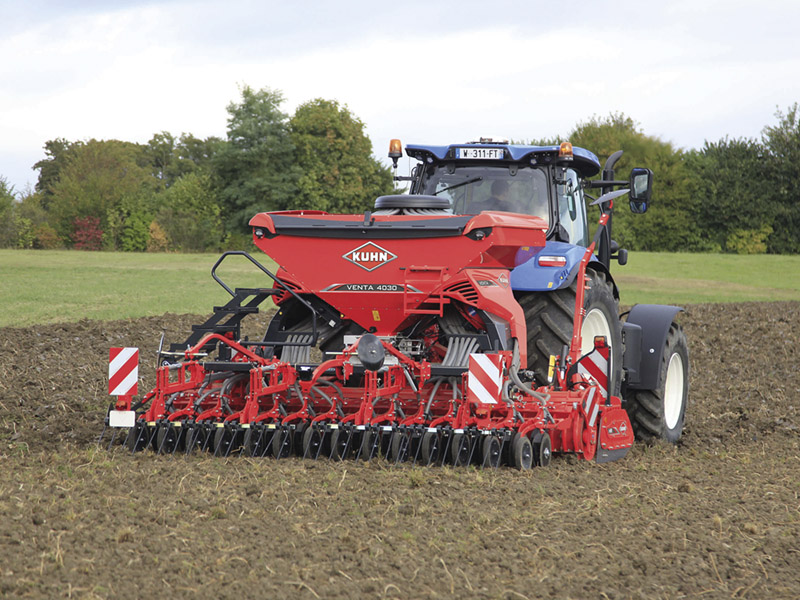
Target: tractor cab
<point x="544" y="181"/>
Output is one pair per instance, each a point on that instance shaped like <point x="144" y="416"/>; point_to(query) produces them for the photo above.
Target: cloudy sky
<point x="427" y="72"/>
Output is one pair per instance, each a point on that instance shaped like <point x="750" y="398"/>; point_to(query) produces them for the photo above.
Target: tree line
<point x="735" y="195"/>
<point x="189" y="194"/>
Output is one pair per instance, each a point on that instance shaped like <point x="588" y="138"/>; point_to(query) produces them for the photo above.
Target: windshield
<point x="471" y="190"/>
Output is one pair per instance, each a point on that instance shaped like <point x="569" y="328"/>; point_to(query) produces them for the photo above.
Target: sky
<point x="426" y="72"/>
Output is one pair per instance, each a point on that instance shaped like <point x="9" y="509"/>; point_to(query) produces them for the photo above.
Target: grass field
<point x="40" y="286"/>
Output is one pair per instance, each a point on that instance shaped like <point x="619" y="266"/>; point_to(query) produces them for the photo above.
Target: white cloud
<point x="686" y="71"/>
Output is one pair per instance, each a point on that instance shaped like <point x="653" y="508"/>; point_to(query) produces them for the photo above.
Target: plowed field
<point x="717" y="516"/>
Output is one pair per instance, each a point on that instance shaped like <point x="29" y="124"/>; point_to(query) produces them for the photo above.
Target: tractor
<point x="469" y="321"/>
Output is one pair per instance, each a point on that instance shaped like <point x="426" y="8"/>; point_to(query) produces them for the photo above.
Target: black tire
<point x="492" y="452"/>
<point x="460" y="449"/>
<point x="169" y="438"/>
<point x="282" y="443"/>
<point x="400" y="448"/>
<point x="542" y="448"/>
<point x="297" y="441"/>
<point x="257" y="441"/>
<point x="369" y="445"/>
<point x="227" y="439"/>
<point x="341" y="446"/>
<point x="521" y="452"/>
<point x="138" y="437"/>
<point x="313" y="439"/>
<point x="660" y="413"/>
<point x="549" y="319"/>
<point x="431" y="447"/>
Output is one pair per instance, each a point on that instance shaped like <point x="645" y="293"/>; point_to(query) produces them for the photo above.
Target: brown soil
<point x="717" y="516"/>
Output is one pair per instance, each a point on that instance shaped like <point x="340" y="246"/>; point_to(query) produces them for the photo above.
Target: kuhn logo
<point x="369" y="256"/>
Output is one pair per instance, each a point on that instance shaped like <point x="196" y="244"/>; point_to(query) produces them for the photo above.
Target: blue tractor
<point x="649" y="367"/>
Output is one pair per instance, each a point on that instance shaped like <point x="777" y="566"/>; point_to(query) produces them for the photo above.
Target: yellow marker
<point x="551" y="368"/>
<point x="550" y="284"/>
<point x="376" y="316"/>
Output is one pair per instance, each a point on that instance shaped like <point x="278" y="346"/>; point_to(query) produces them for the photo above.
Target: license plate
<point x="480" y="153"/>
<point x="121" y="418"/>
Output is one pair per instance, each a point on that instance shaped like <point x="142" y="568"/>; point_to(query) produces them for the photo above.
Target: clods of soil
<point x="716" y="516"/>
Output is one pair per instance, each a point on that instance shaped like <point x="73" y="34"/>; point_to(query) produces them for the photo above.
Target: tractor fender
<point x="530" y="276"/>
<point x="644" y="336"/>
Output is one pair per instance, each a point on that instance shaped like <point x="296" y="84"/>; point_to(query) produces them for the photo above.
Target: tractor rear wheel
<point x="660" y="413"/>
<point x="549" y="319"/>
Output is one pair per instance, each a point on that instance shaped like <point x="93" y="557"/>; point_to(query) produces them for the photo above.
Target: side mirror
<point x="641" y="186"/>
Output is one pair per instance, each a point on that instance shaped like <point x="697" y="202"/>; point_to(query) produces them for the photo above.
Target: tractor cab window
<point x="471" y="190"/>
<point x="572" y="210"/>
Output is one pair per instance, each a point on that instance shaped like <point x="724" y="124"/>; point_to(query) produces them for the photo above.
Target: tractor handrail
<point x="272" y="276"/>
<point x="228" y="253"/>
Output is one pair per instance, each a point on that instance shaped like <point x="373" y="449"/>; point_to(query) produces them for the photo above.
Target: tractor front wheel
<point x="660" y="413"/>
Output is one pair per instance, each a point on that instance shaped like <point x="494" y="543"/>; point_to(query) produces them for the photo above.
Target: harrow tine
<point x="262" y="449"/>
<point x="472" y="450"/>
<point x="113" y="439"/>
<point x="360" y="446"/>
<point x="502" y="446"/>
<point x="206" y="441"/>
<point x="102" y="433"/>
<point x="446" y="449"/>
<point x="138" y="439"/>
<point x="191" y="438"/>
<point x="402" y="447"/>
<point x="285" y="434"/>
<point x="306" y="448"/>
<point x="347" y="445"/>
<point x="230" y="445"/>
<point x="160" y="449"/>
<point x="175" y="447"/>
<point x="416" y="454"/>
<point x="374" y="444"/>
<point x="321" y="443"/>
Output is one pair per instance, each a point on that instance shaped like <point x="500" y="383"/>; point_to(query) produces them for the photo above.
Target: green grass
<point x="39" y="286"/>
<point x="666" y="278"/>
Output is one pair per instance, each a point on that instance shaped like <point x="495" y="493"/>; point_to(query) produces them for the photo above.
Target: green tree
<point x="97" y="177"/>
<point x="57" y="152"/>
<point x="7" y="202"/>
<point x="733" y="204"/>
<point x="190" y="214"/>
<point x="256" y="166"/>
<point x="339" y="172"/>
<point x="171" y="158"/>
<point x="782" y="142"/>
<point x="670" y="223"/>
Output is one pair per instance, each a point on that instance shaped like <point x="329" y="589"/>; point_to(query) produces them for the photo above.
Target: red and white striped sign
<point x="594" y="367"/>
<point x="123" y="371"/>
<point x="485" y="378"/>
<point x="591" y="406"/>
